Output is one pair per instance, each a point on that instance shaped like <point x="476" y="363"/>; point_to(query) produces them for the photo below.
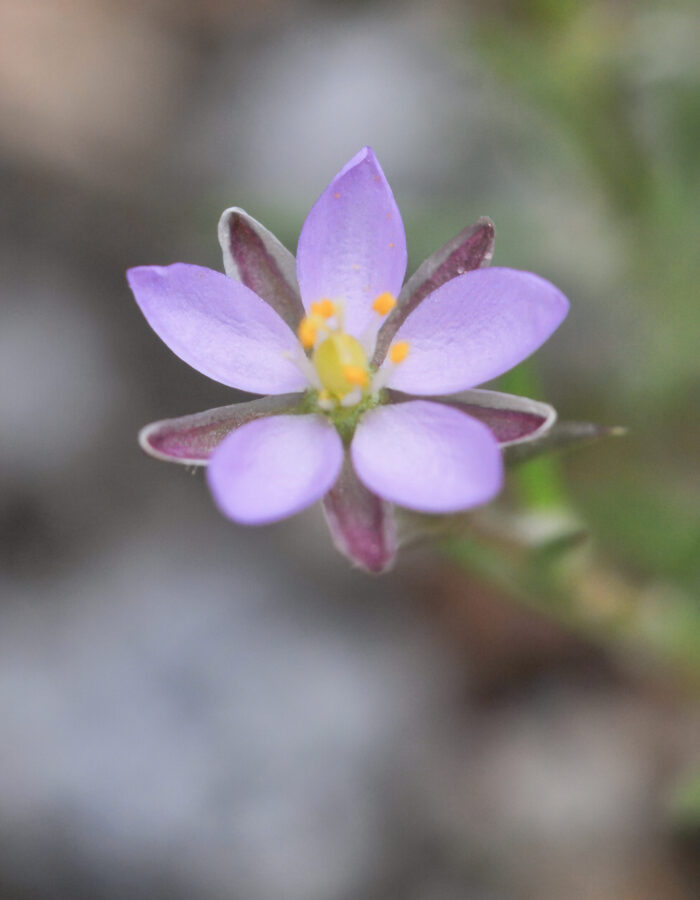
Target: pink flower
<point x="370" y="384"/>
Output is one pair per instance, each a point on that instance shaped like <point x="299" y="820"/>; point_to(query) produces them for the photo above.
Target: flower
<point x="370" y="384"/>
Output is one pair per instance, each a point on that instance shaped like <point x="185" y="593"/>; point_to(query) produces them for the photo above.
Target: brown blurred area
<point x="192" y="709"/>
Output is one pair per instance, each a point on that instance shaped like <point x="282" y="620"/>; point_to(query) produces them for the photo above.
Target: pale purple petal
<point x="361" y="524"/>
<point x="254" y="256"/>
<point x="511" y="419"/>
<point x="476" y="327"/>
<point x="273" y="468"/>
<point x="427" y="456"/>
<point x="192" y="439"/>
<point x="352" y="246"/>
<point x="218" y="326"/>
<point x="471" y="249"/>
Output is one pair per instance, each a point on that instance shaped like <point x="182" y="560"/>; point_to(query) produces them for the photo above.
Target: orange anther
<point x="399" y="351"/>
<point x="306" y="333"/>
<point x="323" y="308"/>
<point x="326" y="308"/>
<point x="384" y="303"/>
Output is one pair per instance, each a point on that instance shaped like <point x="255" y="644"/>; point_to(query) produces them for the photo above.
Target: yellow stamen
<point x="399" y="351"/>
<point x="356" y="375"/>
<point x="307" y="332"/>
<point x="384" y="303"/>
<point x="324" y="308"/>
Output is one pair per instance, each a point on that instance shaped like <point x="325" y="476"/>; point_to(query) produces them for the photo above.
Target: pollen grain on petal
<point x="399" y="351"/>
<point x="337" y="195"/>
<point x="307" y="333"/>
<point x="384" y="303"/>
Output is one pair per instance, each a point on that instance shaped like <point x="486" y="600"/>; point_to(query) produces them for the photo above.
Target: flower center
<point x="340" y="363"/>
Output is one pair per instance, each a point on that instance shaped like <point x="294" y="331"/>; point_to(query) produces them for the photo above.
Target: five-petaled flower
<point x="370" y="384"/>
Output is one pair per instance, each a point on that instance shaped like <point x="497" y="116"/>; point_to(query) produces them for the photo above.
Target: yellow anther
<point x="399" y="351"/>
<point x="307" y="332"/>
<point x="323" y="308"/>
<point x="356" y="375"/>
<point x="384" y="303"/>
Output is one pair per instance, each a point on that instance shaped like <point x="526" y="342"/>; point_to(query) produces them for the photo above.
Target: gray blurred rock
<point x="177" y="712"/>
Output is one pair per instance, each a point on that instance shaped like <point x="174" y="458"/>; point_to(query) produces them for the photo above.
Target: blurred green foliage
<point x="684" y="804"/>
<point x="620" y="83"/>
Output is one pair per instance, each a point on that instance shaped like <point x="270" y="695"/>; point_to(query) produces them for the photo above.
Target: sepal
<point x="471" y="249"/>
<point x="254" y="256"/>
<point x="361" y="524"/>
<point x="512" y="419"/>
<point x="191" y="440"/>
<point x="562" y="436"/>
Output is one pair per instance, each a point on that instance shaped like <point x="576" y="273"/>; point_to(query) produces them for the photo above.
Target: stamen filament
<point x="382" y="306"/>
<point x="306" y="367"/>
<point x="397" y="354"/>
<point x="351" y="399"/>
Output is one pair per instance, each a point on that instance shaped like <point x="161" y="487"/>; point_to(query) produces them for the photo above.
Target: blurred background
<point x="192" y="709"/>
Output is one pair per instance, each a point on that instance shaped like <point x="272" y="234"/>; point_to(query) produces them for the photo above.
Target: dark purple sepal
<point x="192" y="439"/>
<point x="471" y="249"/>
<point x="254" y="256"/>
<point x="512" y="419"/>
<point x="361" y="524"/>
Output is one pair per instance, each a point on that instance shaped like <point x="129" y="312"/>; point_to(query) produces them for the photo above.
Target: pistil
<point x="340" y="362"/>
